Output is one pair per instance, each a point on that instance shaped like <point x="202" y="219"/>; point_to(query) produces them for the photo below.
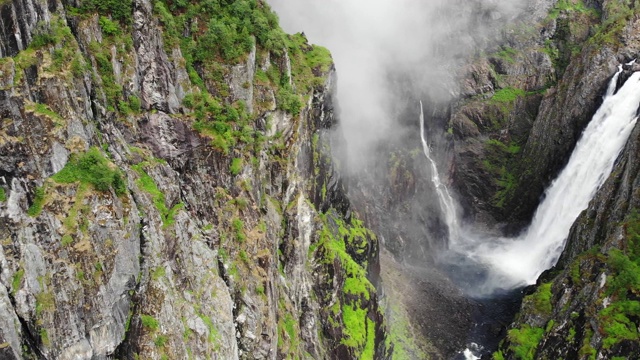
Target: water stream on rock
<point x="498" y="265"/>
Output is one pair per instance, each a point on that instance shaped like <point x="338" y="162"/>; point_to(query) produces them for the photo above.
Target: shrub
<point x="121" y="10"/>
<point x="108" y="27"/>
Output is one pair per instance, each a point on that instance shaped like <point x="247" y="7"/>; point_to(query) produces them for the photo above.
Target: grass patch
<point x="238" y="228"/>
<point x="236" y="166"/>
<point x="149" y="322"/>
<point x="507" y="53"/>
<point x="3" y="195"/>
<point x="508" y="95"/>
<point x="38" y="202"/>
<point x="147" y="184"/>
<point x="92" y="168"/>
<point x="66" y="240"/>
<point x="16" y="281"/>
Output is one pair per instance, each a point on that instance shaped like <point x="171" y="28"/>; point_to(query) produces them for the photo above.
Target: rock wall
<point x="586" y="306"/>
<point x="131" y="228"/>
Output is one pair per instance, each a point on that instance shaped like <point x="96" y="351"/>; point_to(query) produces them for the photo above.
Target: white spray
<point x="514" y="262"/>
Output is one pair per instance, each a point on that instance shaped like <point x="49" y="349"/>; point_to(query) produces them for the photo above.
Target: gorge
<point x="184" y="179"/>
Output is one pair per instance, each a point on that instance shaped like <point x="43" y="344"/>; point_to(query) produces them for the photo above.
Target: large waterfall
<point x="513" y="262"/>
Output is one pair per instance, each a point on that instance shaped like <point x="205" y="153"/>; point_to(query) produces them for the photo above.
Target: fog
<point x="386" y="49"/>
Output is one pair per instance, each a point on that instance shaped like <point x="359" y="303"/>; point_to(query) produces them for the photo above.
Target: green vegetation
<point x="623" y="285"/>
<point x="500" y="161"/>
<point x="108" y="27"/>
<point x="45" y="302"/>
<point x="507" y="53"/>
<point x="66" y="240"/>
<point x="160" y="340"/>
<point x="307" y="61"/>
<point x="120" y="10"/>
<point x="3" y="195"/>
<point x="508" y="95"/>
<point x="92" y="168"/>
<point x="147" y="184"/>
<point x="344" y="242"/>
<point x="44" y="337"/>
<point x="38" y="202"/>
<point x="158" y="273"/>
<point x="542" y="299"/>
<point x="571" y="6"/>
<point x="524" y="341"/>
<point x="238" y="228"/>
<point x="236" y="166"/>
<point x="54" y="32"/>
<point x="43" y="109"/>
<point x="16" y="280"/>
<point x="104" y="57"/>
<point x="149" y="322"/>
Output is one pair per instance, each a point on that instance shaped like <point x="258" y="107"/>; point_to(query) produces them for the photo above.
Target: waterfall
<point x="513" y="262"/>
<point x="447" y="204"/>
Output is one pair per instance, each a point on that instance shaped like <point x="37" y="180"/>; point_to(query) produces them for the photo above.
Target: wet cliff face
<point x="164" y="197"/>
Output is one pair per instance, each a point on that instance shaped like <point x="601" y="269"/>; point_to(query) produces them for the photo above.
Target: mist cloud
<point x="374" y="41"/>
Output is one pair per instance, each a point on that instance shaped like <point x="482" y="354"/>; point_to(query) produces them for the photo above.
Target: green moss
<point x="355" y="326"/>
<point x="498" y="355"/>
<point x="542" y="299"/>
<point x="524" y="341"/>
<point x="338" y="241"/>
<point x="3" y="195"/>
<point x="550" y="325"/>
<point x="92" y="168"/>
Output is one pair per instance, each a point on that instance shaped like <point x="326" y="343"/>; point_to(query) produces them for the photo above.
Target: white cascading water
<point x="514" y="262"/>
<point x="447" y="204"/>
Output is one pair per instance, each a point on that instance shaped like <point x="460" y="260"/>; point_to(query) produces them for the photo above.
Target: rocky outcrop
<point x="143" y="217"/>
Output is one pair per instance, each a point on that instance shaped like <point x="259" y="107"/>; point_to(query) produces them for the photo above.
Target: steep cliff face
<point x="547" y="77"/>
<point x="587" y="306"/>
<point x="167" y="190"/>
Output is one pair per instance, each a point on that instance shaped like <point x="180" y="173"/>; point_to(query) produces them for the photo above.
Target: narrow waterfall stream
<point x="509" y="263"/>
